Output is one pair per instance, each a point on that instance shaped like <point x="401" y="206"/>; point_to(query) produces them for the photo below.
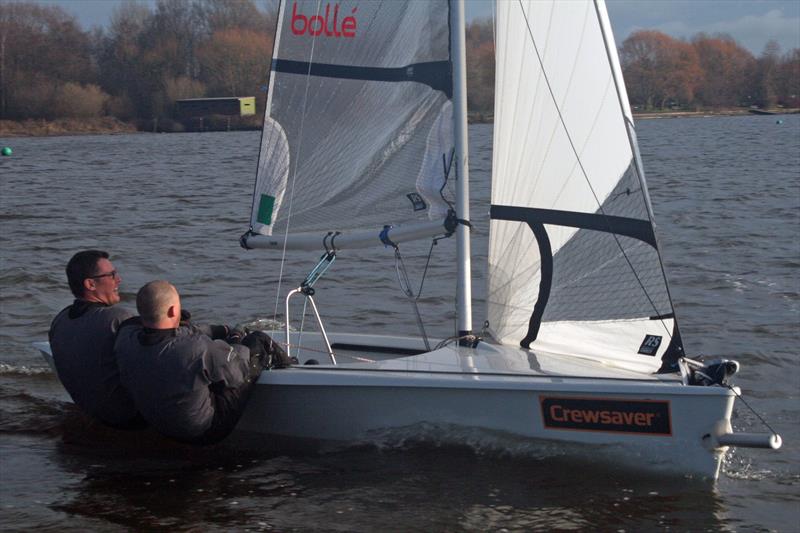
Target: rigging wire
<point x="583" y="170"/>
<point x="268" y="100"/>
<point x="405" y="287"/>
<point x="733" y="390"/>
<point x="434" y="242"/>
<point x="400" y="268"/>
<point x="293" y="178"/>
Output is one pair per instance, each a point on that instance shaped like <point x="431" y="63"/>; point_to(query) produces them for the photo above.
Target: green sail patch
<point x="265" y="207"/>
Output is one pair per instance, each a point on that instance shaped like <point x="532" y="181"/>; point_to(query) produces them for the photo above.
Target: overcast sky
<point x="751" y="22"/>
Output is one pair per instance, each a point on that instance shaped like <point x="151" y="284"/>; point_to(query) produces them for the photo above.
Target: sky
<point x="751" y="22"/>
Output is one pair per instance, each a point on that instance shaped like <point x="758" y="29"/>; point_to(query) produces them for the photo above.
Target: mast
<point x="458" y="57"/>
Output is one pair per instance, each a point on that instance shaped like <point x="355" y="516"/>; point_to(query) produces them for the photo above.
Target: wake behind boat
<point x="364" y="144"/>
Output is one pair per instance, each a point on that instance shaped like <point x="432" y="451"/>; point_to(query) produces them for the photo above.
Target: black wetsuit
<point x="187" y="385"/>
<point x="82" y="341"/>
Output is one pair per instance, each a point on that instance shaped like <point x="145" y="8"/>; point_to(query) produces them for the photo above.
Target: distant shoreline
<point x="111" y="125"/>
<point x="713" y="113"/>
<point x="479" y="118"/>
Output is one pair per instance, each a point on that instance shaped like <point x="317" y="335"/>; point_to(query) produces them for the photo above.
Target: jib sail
<point x="574" y="265"/>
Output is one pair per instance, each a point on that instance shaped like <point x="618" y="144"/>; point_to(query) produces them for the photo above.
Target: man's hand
<point x="235" y="336"/>
<point x="259" y="344"/>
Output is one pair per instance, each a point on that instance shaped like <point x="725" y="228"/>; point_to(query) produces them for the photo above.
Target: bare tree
<point x="659" y="70"/>
<point x="727" y="69"/>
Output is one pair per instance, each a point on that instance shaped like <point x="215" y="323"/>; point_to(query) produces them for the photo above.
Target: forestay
<point x="358" y="127"/>
<point x="574" y="264"/>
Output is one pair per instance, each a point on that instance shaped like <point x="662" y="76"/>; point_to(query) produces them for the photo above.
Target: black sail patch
<point x="650" y="345"/>
<point x="606" y="415"/>
<point x="417" y="201"/>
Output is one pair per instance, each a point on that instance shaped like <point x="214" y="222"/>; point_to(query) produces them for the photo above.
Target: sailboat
<point x="364" y="144"/>
<point x="364" y="138"/>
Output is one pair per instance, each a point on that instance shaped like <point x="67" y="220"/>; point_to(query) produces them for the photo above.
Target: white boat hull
<point x="490" y="396"/>
<point x="382" y="401"/>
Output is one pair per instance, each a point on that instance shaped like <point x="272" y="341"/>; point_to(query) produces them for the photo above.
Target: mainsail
<point x="358" y="128"/>
<point x="574" y="265"/>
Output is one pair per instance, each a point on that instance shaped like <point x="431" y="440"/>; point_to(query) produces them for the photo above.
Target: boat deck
<point x="406" y="354"/>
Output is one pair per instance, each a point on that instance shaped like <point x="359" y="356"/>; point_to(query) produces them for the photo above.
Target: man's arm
<point x="216" y="332"/>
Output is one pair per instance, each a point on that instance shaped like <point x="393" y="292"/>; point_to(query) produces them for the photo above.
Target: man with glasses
<point x="82" y="341"/>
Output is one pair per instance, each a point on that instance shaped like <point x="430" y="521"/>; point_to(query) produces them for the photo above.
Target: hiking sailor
<point x="82" y="341"/>
<point x="187" y="385"/>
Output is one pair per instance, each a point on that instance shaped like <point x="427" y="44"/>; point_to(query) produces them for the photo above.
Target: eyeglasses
<point x="112" y="274"/>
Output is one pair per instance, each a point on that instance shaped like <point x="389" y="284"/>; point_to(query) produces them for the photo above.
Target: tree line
<point x="147" y="58"/>
<point x="138" y="66"/>
<point x="707" y="72"/>
<point x="664" y="73"/>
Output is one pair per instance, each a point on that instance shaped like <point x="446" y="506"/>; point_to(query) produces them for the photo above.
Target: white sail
<point x="357" y="131"/>
<point x="573" y="262"/>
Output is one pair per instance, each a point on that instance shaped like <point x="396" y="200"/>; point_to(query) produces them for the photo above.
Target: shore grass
<point x="64" y="126"/>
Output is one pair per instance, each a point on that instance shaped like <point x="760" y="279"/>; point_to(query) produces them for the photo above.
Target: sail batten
<point x="436" y="74"/>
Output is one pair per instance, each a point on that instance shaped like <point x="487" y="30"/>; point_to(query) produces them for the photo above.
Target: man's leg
<point x="229" y="404"/>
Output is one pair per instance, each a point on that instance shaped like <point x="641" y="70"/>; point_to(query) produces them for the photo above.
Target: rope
<point x="434" y="242"/>
<point x="297" y="346"/>
<point x="739" y="396"/>
<point x="447" y="167"/>
<point x="400" y="268"/>
<point x="405" y="286"/>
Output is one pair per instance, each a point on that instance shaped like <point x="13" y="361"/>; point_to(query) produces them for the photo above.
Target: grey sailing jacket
<point x="82" y="341"/>
<point x="169" y="373"/>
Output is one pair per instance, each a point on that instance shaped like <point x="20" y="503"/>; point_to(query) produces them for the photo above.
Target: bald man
<point x="187" y="385"/>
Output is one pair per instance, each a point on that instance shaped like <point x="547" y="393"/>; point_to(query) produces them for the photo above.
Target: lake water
<point x="726" y="193"/>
